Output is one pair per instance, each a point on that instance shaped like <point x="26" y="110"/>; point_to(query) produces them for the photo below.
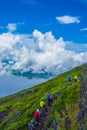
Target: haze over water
<point x="10" y="84"/>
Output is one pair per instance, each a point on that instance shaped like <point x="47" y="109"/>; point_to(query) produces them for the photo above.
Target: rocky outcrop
<point x="82" y="115"/>
<point x="4" y="114"/>
<point x="45" y="112"/>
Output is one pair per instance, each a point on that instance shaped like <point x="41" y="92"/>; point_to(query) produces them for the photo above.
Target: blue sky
<point x="41" y="15"/>
<point x="43" y="35"/>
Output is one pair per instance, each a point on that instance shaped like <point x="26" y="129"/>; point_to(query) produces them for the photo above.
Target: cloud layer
<point x="66" y="19"/>
<point x="83" y="29"/>
<point x="12" y="27"/>
<point x="39" y="52"/>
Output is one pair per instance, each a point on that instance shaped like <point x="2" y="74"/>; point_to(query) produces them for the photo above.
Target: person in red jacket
<point x="37" y="114"/>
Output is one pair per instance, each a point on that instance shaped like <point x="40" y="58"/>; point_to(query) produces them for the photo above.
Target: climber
<point x="69" y="78"/>
<point x="31" y="125"/>
<point x="49" y="97"/>
<point x="37" y="114"/>
<point x="75" y="78"/>
<point x="42" y="103"/>
<point x="54" y="124"/>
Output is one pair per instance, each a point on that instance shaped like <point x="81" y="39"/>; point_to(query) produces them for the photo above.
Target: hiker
<point x="54" y="124"/>
<point x="49" y="97"/>
<point x="31" y="125"/>
<point x="75" y="78"/>
<point x="42" y="103"/>
<point x="37" y="114"/>
<point x="69" y="78"/>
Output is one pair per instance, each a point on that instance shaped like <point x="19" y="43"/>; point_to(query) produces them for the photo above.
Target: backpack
<point x="69" y="78"/>
<point x="49" y="96"/>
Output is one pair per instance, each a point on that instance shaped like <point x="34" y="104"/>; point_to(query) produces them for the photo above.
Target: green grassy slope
<point x="16" y="111"/>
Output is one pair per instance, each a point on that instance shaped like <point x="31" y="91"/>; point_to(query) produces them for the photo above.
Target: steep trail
<point x="82" y="116"/>
<point x="45" y="112"/>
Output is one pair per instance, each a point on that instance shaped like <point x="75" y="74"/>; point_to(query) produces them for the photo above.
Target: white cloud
<point x="41" y="52"/>
<point x="12" y="26"/>
<point x="8" y="40"/>
<point x="83" y="29"/>
<point x="67" y="19"/>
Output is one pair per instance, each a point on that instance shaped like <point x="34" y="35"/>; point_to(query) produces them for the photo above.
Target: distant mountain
<point x="31" y="70"/>
<point x="16" y="111"/>
<point x="7" y="64"/>
<point x="30" y="74"/>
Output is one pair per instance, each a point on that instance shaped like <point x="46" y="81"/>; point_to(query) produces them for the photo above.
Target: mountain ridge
<point x="16" y="111"/>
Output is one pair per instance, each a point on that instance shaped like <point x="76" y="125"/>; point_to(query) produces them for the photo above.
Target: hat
<point x="37" y="109"/>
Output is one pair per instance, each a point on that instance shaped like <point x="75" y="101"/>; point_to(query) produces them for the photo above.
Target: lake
<point x="10" y="84"/>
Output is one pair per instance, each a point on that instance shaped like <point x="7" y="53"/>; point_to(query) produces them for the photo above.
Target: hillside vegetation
<point x="16" y="111"/>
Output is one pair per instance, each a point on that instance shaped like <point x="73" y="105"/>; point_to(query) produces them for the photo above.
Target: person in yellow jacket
<point x="42" y="103"/>
<point x="75" y="78"/>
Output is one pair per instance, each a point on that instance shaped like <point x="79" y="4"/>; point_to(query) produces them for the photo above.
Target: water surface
<point x="10" y="84"/>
